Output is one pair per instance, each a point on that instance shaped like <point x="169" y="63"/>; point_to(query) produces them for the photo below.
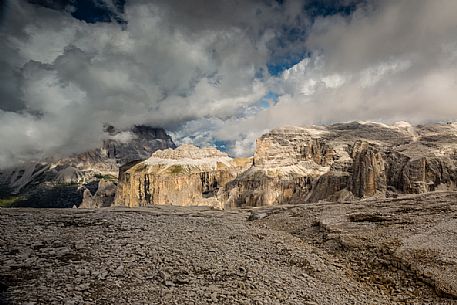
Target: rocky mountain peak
<point x="291" y="145"/>
<point x="62" y="181"/>
<point x="347" y="160"/>
<point x="291" y="165"/>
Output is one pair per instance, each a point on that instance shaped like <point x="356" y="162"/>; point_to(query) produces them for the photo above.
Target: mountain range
<point x="339" y="162"/>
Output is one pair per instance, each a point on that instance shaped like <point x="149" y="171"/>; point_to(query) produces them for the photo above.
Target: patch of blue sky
<point x="270" y="99"/>
<point x="222" y="145"/>
<point x="324" y="8"/>
<point x="90" y="11"/>
<point x="277" y="66"/>
<point x="284" y="56"/>
<point x="93" y="11"/>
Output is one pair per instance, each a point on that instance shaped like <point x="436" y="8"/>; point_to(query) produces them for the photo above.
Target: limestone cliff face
<point x="292" y="145"/>
<point x="339" y="162"/>
<point x="415" y="173"/>
<point x="286" y="162"/>
<point x="184" y="176"/>
<point x="346" y="161"/>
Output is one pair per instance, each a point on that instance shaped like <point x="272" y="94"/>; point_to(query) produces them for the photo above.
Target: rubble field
<point x="386" y="251"/>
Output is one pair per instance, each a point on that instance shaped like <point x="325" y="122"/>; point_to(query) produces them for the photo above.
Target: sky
<point x="217" y="73"/>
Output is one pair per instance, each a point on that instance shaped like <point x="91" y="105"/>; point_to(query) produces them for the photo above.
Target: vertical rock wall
<point x="184" y="176"/>
<point x="345" y="161"/>
<point x="368" y="170"/>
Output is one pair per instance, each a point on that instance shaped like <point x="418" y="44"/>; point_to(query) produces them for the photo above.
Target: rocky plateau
<point x="375" y="251"/>
<point x="347" y="161"/>
<point x="185" y="176"/>
<point x="291" y="165"/>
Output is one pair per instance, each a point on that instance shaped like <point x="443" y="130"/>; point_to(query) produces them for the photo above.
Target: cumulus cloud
<point x="388" y="61"/>
<point x="167" y="67"/>
<point x="200" y="69"/>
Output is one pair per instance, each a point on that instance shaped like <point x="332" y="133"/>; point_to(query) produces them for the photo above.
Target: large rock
<point x="103" y="196"/>
<point x="184" y="176"/>
<point x="368" y="170"/>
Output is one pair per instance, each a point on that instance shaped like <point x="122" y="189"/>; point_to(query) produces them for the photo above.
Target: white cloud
<point x="192" y="67"/>
<point x="387" y="62"/>
<point x="75" y="76"/>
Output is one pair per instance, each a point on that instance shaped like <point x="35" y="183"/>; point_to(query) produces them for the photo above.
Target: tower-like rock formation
<point x="368" y="170"/>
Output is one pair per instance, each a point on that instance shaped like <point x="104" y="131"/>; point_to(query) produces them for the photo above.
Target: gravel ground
<point x="307" y="254"/>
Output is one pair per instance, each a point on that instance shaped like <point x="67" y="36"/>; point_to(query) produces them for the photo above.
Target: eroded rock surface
<point x="403" y="246"/>
<point x="291" y="165"/>
<point x="342" y="161"/>
<point x="286" y="162"/>
<point x="389" y="251"/>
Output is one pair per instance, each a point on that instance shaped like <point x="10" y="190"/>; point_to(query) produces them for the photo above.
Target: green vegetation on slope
<point x="176" y="169"/>
<point x="9" y="201"/>
<point x="106" y="177"/>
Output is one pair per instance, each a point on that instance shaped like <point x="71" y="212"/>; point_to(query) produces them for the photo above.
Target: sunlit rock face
<point x="184" y="176"/>
<point x="65" y="182"/>
<point x="286" y="162"/>
<point x="345" y="162"/>
<point x="340" y="162"/>
<point x="368" y="170"/>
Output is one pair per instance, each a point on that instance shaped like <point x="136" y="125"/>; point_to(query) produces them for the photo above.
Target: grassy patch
<point x="176" y="169"/>
<point x="105" y="177"/>
<point x="9" y="201"/>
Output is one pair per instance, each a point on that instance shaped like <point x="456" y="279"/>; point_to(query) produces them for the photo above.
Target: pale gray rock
<point x="103" y="197"/>
<point x="344" y="161"/>
<point x="377" y="251"/>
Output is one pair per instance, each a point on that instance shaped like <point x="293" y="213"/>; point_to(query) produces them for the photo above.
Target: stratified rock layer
<point x="185" y="176"/>
<point x="286" y="162"/>
<point x="339" y="162"/>
<point x="342" y="161"/>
